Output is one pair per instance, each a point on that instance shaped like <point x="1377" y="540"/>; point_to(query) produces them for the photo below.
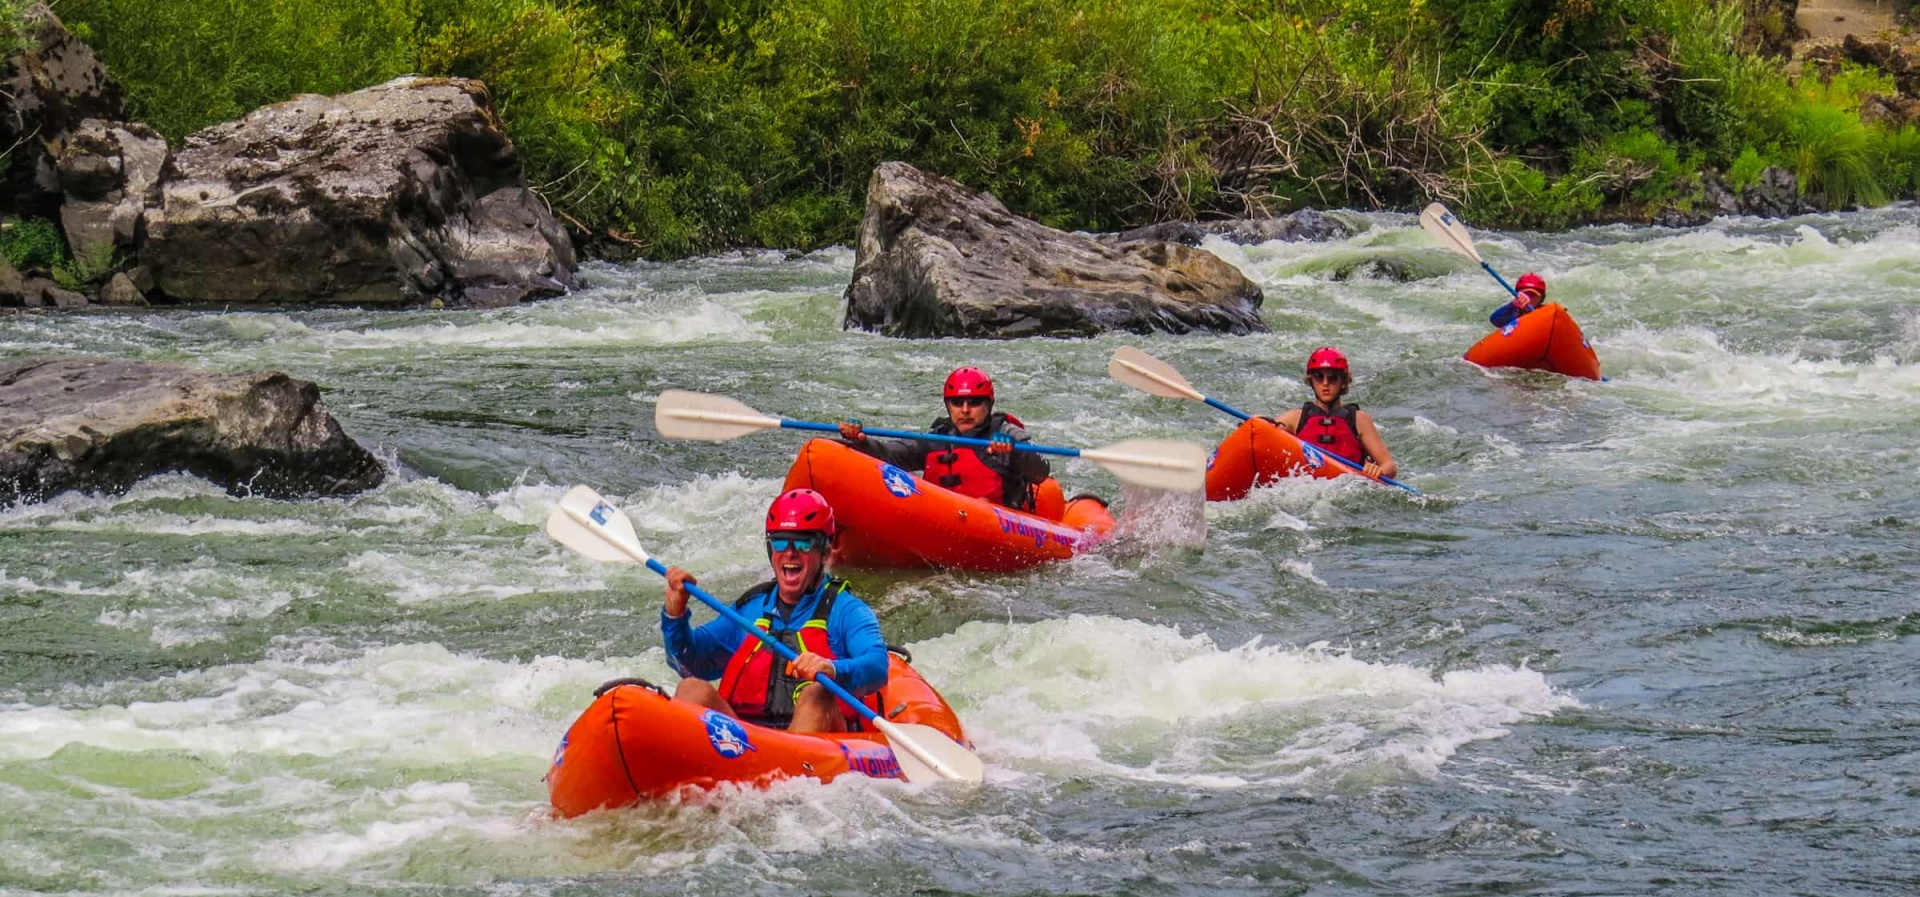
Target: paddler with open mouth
<point x="815" y="614"/>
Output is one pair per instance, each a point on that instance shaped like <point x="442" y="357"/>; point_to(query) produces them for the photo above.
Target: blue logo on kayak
<point x="729" y="738"/>
<point x="899" y="482"/>
<point x="1315" y="459"/>
<point x="1508" y="330"/>
<point x="1211" y="456"/>
<point x="560" y="753"/>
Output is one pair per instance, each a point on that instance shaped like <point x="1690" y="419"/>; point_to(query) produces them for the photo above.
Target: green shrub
<point x="1900" y="162"/>
<point x="1832" y="152"/>
<point x="86" y="272"/>
<point x="1636" y="167"/>
<point x="14" y="33"/>
<point x="187" y="64"/>
<point x="1747" y="169"/>
<point x="33" y="244"/>
<point x="674" y="127"/>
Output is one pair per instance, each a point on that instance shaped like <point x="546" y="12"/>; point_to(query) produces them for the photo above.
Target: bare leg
<point x="702" y="692"/>
<point x="816" y="710"/>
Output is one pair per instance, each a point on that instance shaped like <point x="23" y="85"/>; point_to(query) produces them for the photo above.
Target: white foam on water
<point x="76" y="510"/>
<point x="1136" y="700"/>
<point x="1302" y="569"/>
<point x="405" y="702"/>
<point x="185" y="605"/>
<point x="25" y="586"/>
<point x="161" y="523"/>
<point x="420" y="811"/>
<point x="711" y="524"/>
<point x="1693" y="366"/>
<point x="1292" y="503"/>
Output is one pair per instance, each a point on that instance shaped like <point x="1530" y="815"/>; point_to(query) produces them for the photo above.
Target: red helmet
<point x="968" y="382"/>
<point x="1327" y="358"/>
<point x="1531" y="282"/>
<point x="800" y="510"/>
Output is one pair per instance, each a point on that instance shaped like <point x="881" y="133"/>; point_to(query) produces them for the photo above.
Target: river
<point x="1657" y="635"/>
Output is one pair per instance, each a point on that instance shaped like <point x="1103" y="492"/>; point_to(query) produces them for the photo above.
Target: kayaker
<point x="815" y="614"/>
<point x="998" y="473"/>
<point x="1529" y="293"/>
<point x="1330" y="424"/>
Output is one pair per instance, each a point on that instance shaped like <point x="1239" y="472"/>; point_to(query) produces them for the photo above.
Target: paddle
<point x="1453" y="235"/>
<point x="1151" y="375"/>
<point x="1155" y="463"/>
<point x="585" y="522"/>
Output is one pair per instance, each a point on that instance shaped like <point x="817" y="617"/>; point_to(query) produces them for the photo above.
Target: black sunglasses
<point x="1326" y="376"/>
<point x="968" y="401"/>
<point x="803" y="544"/>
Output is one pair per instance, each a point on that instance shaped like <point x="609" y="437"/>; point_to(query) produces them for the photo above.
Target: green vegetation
<point x="682" y="126"/>
<point x="33" y="244"/>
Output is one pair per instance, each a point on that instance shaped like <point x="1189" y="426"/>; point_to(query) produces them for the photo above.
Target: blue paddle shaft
<point x="1227" y="408"/>
<point x="785" y="652"/>
<point x="1503" y="281"/>
<point x="930" y="437"/>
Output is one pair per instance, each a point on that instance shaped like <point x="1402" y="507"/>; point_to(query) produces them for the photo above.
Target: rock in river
<point x="99" y="424"/>
<point x="937" y="259"/>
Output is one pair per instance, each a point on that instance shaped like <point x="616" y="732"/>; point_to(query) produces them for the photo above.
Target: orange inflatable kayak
<point x="1258" y="453"/>
<point x="1545" y="339"/>
<point x="635" y="743"/>
<point x="890" y="518"/>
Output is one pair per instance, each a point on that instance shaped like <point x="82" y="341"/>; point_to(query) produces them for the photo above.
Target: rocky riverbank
<point x="405" y="193"/>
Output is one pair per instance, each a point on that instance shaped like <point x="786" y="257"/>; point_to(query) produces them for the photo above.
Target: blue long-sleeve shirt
<point x="853" y="632"/>
<point x="1506" y="314"/>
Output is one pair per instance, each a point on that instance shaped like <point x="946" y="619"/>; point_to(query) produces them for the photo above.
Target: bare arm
<point x="1379" y="460"/>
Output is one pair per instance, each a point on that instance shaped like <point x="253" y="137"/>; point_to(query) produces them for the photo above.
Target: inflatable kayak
<point x="1259" y="452"/>
<point x="890" y="518"/>
<point x="635" y="743"/>
<point x="1545" y="339"/>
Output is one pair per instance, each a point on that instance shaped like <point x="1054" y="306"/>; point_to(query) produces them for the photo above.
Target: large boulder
<point x="398" y="194"/>
<point x="937" y="259"/>
<point x="99" y="425"/>
<point x="46" y="91"/>
<point x="110" y="172"/>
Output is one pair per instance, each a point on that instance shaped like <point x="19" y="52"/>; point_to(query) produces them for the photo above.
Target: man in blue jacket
<point x="815" y="614"/>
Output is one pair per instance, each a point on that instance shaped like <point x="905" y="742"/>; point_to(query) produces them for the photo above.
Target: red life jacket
<point x="756" y="683"/>
<point x="960" y="468"/>
<point x="1336" y="432"/>
<point x="965" y="469"/>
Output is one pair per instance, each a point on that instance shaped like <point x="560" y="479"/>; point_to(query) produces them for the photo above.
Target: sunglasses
<point x="1326" y="376"/>
<point x="968" y="401"/>
<point x="803" y="544"/>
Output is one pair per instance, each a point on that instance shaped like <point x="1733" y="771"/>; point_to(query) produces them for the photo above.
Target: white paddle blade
<point x="1149" y="375"/>
<point x="1448" y="230"/>
<point x="589" y="524"/>
<point x="1155" y="463"/>
<point x="695" y="415"/>
<point x="926" y="754"/>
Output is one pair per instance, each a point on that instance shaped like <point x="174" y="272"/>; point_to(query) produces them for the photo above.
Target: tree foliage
<point x="673" y="127"/>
